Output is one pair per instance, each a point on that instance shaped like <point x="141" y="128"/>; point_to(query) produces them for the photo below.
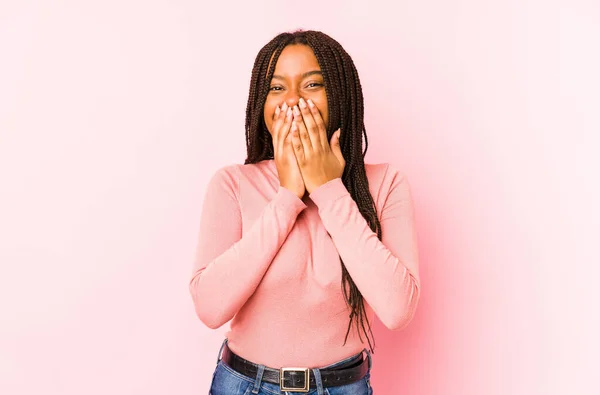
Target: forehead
<point x="295" y="60"/>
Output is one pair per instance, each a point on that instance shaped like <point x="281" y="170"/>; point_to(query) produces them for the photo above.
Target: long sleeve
<point x="385" y="271"/>
<point x="228" y="267"/>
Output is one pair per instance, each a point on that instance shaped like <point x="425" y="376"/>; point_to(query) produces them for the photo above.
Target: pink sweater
<point x="269" y="262"/>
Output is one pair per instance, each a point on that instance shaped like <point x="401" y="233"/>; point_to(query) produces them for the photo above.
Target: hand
<point x="288" y="170"/>
<point x="319" y="160"/>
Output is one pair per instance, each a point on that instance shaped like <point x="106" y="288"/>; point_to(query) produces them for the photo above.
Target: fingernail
<point x="289" y="113"/>
<point x="310" y="103"/>
<point x="296" y="110"/>
<point x="284" y="107"/>
<point x="277" y="110"/>
<point x="302" y="103"/>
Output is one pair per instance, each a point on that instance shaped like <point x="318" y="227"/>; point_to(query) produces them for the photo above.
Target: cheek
<point x="268" y="113"/>
<point x="322" y="106"/>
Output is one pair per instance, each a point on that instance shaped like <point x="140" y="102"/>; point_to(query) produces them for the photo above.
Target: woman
<point x="304" y="239"/>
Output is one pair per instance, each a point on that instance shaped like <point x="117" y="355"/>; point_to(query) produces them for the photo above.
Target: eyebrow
<point x="308" y="73"/>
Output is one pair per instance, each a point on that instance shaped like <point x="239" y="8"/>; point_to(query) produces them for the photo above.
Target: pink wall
<point x="106" y="113"/>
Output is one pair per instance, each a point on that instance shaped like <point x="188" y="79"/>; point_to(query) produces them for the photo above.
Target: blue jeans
<point x="226" y="381"/>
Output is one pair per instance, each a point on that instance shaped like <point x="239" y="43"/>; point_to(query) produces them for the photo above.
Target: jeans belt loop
<point x="220" y="354"/>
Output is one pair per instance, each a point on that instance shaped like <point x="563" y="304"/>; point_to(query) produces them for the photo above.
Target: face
<point x="297" y="74"/>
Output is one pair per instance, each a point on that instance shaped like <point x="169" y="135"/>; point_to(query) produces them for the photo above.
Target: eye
<point x="313" y="84"/>
<point x="274" y="88"/>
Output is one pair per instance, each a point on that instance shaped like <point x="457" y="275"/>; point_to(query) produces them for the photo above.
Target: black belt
<point x="300" y="379"/>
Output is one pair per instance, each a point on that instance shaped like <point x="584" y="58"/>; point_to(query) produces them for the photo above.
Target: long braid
<point x="346" y="111"/>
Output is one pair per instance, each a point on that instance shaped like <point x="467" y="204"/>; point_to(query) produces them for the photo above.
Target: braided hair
<point x="346" y="111"/>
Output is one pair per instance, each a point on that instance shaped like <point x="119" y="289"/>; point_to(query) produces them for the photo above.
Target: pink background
<point x="114" y="114"/>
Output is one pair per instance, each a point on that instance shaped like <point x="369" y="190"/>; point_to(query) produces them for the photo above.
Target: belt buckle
<point x="294" y="389"/>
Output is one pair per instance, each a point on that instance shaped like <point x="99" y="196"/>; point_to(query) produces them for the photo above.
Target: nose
<point x="291" y="98"/>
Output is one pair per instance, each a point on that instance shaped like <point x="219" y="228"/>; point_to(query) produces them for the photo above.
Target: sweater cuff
<point x="287" y="200"/>
<point x="329" y="192"/>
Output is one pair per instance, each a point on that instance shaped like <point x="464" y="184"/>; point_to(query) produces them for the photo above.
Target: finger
<point x="336" y="148"/>
<point x="302" y="131"/>
<point x="283" y="130"/>
<point x="279" y="121"/>
<point x="297" y="145"/>
<point x="311" y="125"/>
<point x="289" y="143"/>
<point x="275" y="124"/>
<point x="322" y="131"/>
